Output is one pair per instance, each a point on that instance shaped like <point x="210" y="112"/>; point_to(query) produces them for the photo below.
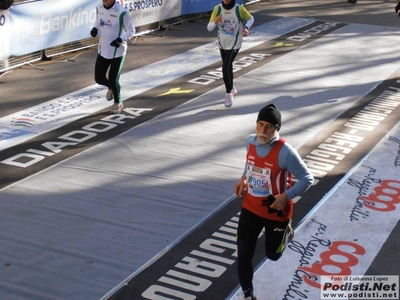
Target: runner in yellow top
<point x="233" y="22"/>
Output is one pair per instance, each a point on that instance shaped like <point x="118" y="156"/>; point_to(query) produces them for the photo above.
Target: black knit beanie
<point x="270" y="114"/>
<point x="228" y="6"/>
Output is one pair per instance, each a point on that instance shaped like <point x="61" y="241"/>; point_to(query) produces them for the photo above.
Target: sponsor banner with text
<point x="145" y="12"/>
<point x="38" y="25"/>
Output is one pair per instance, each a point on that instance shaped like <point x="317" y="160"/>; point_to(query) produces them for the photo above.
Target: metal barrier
<point x="15" y="62"/>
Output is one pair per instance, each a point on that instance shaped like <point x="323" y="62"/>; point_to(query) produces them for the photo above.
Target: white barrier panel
<point x="145" y="12"/>
<point x="4" y="34"/>
<point x="39" y="25"/>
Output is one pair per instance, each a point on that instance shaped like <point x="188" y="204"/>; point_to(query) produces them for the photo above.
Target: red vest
<point x="265" y="177"/>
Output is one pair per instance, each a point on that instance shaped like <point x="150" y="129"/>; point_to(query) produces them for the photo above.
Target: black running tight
<point x="112" y="82"/>
<point x="249" y="229"/>
<point x="228" y="56"/>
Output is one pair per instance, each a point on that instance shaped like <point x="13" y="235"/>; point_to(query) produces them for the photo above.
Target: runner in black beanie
<point x="267" y="195"/>
<point x="270" y="114"/>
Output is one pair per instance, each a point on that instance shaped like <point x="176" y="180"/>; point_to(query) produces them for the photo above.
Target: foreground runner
<point x="267" y="202"/>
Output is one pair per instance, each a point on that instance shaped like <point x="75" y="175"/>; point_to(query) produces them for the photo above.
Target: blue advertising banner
<point x="199" y="6"/>
<point x="39" y="25"/>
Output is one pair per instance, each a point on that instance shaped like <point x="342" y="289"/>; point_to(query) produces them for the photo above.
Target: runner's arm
<point x="290" y="160"/>
<point x="129" y="28"/>
<point x="247" y="16"/>
<point x="211" y="24"/>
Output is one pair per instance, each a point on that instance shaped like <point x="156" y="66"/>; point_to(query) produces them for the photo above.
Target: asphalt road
<point x="34" y="84"/>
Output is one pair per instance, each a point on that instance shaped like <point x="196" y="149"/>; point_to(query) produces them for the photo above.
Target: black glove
<point x="94" y="32"/>
<point x="397" y="9"/>
<point x="115" y="43"/>
<point x="267" y="202"/>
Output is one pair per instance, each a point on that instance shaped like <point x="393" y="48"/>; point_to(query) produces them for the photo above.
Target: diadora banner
<point x="34" y="26"/>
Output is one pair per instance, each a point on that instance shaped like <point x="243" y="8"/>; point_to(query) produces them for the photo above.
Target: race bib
<point x="259" y="181"/>
<point x="228" y="27"/>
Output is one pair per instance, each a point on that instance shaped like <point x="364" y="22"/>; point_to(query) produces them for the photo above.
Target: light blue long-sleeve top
<point x="288" y="159"/>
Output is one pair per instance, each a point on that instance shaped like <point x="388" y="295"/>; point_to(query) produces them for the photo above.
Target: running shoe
<point x="117" y="108"/>
<point x="251" y="298"/>
<point x="234" y="91"/>
<point x="289" y="234"/>
<point x="109" y="95"/>
<point x="228" y="99"/>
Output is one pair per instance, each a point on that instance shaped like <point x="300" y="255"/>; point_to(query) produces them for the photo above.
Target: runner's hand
<point x="280" y="201"/>
<point x="218" y="19"/>
<point x="94" y="32"/>
<point x="269" y="203"/>
<point x="239" y="187"/>
<point x="115" y="43"/>
<point x="245" y="31"/>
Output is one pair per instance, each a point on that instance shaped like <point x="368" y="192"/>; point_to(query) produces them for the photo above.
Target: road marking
<point x="176" y="91"/>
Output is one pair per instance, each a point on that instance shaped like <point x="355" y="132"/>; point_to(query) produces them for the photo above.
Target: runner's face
<point x="108" y="3"/>
<point x="265" y="132"/>
<point x="226" y="1"/>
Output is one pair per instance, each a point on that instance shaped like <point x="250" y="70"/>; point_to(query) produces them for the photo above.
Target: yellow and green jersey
<point x="232" y="24"/>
